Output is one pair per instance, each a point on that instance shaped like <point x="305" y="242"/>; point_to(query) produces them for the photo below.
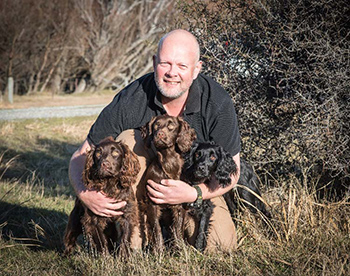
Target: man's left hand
<point x="170" y="191"/>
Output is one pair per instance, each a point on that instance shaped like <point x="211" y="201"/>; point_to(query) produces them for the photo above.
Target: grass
<point x="307" y="235"/>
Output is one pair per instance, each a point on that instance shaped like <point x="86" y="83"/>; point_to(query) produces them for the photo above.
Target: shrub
<point x="285" y="63"/>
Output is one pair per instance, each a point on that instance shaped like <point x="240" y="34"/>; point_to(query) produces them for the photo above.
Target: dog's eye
<point x="98" y="154"/>
<point x="156" y="126"/>
<point x="197" y="155"/>
<point x="212" y="157"/>
<point x="171" y="126"/>
<point x="114" y="153"/>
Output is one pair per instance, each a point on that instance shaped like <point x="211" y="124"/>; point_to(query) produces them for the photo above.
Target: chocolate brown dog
<point x="111" y="167"/>
<point x="171" y="137"/>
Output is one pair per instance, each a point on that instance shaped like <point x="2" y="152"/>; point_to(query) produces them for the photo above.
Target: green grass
<point x="307" y="236"/>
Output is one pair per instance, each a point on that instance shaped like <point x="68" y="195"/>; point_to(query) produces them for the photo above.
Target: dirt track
<point x="50" y="112"/>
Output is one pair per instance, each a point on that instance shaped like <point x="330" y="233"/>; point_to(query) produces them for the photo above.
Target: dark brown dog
<point x="171" y="137"/>
<point x="111" y="167"/>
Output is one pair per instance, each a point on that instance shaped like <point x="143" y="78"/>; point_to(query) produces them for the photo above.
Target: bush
<point x="285" y="63"/>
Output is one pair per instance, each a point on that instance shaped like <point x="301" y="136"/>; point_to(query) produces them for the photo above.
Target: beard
<point x="168" y="93"/>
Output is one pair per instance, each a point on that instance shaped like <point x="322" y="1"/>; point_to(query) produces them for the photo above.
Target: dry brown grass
<point x="307" y="235"/>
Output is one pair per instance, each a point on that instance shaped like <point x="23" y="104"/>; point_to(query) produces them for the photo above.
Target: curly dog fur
<point x="111" y="167"/>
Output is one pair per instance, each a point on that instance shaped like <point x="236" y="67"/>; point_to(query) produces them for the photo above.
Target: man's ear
<point x="154" y="62"/>
<point x="197" y="69"/>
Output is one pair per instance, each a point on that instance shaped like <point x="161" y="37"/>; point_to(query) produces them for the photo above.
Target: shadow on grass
<point x="46" y="163"/>
<point x="35" y="227"/>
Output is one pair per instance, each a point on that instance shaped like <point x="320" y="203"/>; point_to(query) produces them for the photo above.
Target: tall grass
<point x="307" y="235"/>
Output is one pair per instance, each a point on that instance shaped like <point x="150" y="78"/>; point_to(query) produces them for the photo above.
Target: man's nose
<point x="172" y="71"/>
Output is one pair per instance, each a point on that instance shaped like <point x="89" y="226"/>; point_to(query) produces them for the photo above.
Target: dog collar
<point x="199" y="200"/>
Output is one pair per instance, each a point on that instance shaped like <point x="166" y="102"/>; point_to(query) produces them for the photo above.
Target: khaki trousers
<point x="222" y="232"/>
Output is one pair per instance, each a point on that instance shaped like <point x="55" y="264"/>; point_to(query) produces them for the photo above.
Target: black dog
<point x="202" y="162"/>
<point x="205" y="160"/>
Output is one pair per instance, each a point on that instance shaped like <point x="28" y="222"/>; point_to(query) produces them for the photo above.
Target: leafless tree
<point x="32" y="37"/>
<point x="118" y="38"/>
<point x="83" y="44"/>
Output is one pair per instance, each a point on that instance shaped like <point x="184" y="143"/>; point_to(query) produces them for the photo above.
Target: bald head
<point x="182" y="38"/>
<point x="176" y="65"/>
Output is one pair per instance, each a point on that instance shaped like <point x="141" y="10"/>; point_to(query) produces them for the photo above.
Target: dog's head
<point x="205" y="160"/>
<point x="110" y="159"/>
<point x="166" y="131"/>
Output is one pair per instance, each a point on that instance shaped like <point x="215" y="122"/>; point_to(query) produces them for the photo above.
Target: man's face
<point x="175" y="69"/>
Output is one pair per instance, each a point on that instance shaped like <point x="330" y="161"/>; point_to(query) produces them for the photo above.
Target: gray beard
<point x="164" y="93"/>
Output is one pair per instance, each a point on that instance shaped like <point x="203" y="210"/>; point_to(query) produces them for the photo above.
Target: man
<point x="177" y="88"/>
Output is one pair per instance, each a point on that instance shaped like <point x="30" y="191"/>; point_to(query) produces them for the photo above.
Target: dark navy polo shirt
<point x="209" y="110"/>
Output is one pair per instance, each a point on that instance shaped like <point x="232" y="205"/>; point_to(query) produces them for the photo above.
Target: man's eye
<point x="164" y="64"/>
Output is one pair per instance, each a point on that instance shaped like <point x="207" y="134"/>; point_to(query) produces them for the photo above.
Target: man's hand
<point x="171" y="192"/>
<point x="100" y="204"/>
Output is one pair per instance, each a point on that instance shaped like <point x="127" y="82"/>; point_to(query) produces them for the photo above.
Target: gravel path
<point x="50" y="112"/>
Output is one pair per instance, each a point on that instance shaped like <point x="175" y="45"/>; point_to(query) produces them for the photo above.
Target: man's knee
<point x="132" y="138"/>
<point x="222" y="233"/>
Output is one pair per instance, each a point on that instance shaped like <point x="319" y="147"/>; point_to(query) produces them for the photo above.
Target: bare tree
<point x="71" y="45"/>
<point x="37" y="31"/>
<point x="119" y="38"/>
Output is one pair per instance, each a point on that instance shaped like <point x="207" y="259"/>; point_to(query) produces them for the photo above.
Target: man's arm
<point x="97" y="202"/>
<point x="171" y="191"/>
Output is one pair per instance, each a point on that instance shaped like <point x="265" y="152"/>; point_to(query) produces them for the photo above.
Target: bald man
<point x="176" y="88"/>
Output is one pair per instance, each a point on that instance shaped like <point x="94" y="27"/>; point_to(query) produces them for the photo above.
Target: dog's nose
<point x="202" y="169"/>
<point x="160" y="134"/>
<point x="105" y="165"/>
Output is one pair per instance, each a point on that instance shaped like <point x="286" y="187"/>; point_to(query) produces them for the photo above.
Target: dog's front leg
<point x="204" y="215"/>
<point x="74" y="228"/>
<point x="127" y="230"/>
<point x="154" y="228"/>
<point x="178" y="226"/>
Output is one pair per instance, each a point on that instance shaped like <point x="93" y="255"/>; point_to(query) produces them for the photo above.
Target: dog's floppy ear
<point x="90" y="168"/>
<point x="130" y="166"/>
<point x="146" y="132"/>
<point x="186" y="136"/>
<point x="188" y="156"/>
<point x="225" y="168"/>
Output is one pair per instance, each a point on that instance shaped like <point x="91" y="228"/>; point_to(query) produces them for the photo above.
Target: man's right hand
<point x="100" y="204"/>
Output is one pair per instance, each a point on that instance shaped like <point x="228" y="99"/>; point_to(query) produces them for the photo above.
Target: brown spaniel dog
<point x="111" y="167"/>
<point x="171" y="137"/>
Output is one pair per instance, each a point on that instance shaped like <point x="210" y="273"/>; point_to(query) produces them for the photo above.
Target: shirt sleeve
<point x="108" y="123"/>
<point x="224" y="128"/>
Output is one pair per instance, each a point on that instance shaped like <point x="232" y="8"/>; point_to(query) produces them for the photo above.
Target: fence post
<point x="10" y="90"/>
